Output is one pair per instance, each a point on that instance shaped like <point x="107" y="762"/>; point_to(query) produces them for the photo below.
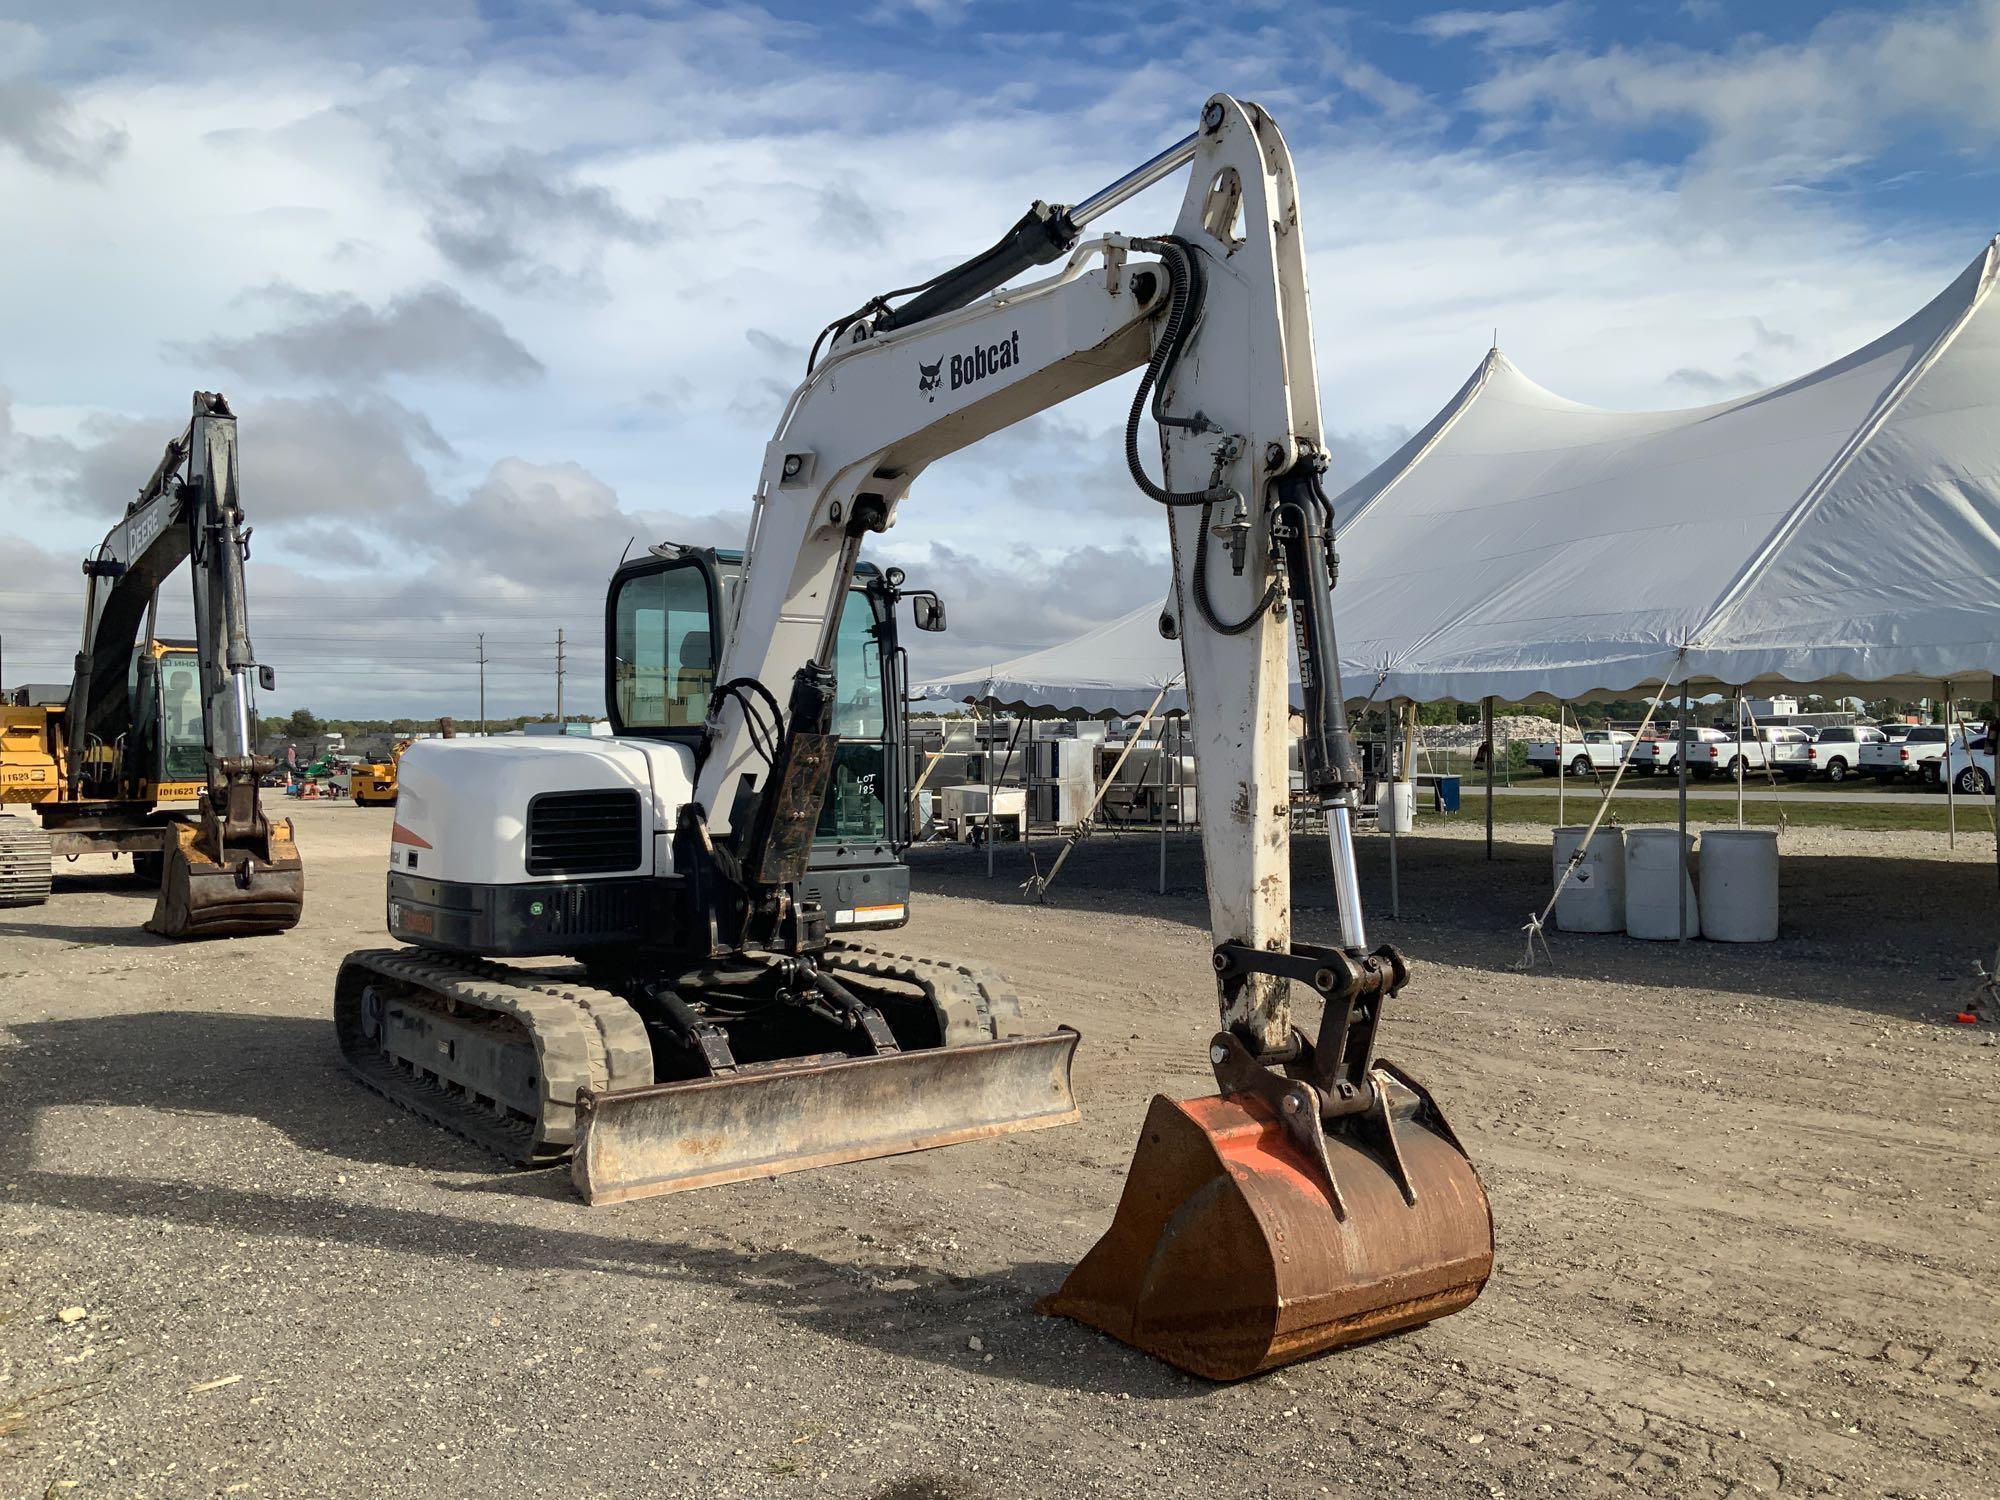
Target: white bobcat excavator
<point x="1319" y="1197"/>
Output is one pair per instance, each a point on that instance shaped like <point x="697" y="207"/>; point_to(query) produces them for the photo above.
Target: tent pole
<point x="1951" y="797"/>
<point x="1163" y="808"/>
<point x="1738" y="700"/>
<point x="992" y="786"/>
<point x="1681" y="764"/>
<point x="1562" y="766"/>
<point x="1486" y="721"/>
<point x="1180" y="791"/>
<point x="1395" y="813"/>
<point x="1028" y="786"/>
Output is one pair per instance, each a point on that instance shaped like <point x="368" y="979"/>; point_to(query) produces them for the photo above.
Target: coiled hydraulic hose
<point x="1186" y="288"/>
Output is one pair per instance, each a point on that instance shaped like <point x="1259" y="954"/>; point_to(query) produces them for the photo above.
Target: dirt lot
<point x="1748" y="1209"/>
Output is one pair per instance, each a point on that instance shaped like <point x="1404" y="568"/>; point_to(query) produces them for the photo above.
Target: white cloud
<point x="1529" y="26"/>
<point x="661" y="210"/>
<point x="1799" y="112"/>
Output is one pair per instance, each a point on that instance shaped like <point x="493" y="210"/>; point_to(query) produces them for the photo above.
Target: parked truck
<point x="1968" y="765"/>
<point x="1836" y="753"/>
<point x="1596" y="750"/>
<point x="1904" y="757"/>
<point x="1660" y="756"/>
<point x="1760" y="747"/>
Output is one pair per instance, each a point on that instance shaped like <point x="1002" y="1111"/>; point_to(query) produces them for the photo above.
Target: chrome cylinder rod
<point x="244" y="744"/>
<point x="1133" y="183"/>
<point x="1346" y="878"/>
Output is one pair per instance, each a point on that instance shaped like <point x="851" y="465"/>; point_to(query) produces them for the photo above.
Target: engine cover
<point x="554" y="809"/>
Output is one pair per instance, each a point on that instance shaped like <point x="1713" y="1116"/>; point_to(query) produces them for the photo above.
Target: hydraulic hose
<point x="1186" y="288"/>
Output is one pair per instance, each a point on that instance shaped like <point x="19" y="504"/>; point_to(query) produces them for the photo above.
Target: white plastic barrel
<point x="1593" y="900"/>
<point x="1653" y="871"/>
<point x="1396" y="806"/>
<point x="1739" y="884"/>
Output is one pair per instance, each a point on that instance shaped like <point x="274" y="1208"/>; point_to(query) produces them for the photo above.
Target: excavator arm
<point x="230" y="871"/>
<point x="1318" y="1198"/>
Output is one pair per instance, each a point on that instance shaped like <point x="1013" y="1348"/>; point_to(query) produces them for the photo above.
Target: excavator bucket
<point x="244" y="895"/>
<point x="762" y="1120"/>
<point x="1231" y="1253"/>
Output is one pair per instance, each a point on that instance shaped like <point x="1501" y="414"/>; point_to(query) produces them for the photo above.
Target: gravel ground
<point x="1746" y="1205"/>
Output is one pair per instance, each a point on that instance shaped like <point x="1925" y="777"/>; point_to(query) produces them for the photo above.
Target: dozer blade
<point x="1228" y="1256"/>
<point x="768" y="1119"/>
<point x="244" y="897"/>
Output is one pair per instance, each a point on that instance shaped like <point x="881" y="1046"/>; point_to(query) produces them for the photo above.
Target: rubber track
<point x="26" y="864"/>
<point x="977" y="1004"/>
<point x="584" y="1037"/>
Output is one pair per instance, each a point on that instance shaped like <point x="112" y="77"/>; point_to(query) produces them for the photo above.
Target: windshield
<point x="182" y="754"/>
<point x="855" y="809"/>
<point x="664" y="662"/>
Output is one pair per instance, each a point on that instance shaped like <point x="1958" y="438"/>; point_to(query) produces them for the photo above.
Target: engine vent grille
<point x="584" y="833"/>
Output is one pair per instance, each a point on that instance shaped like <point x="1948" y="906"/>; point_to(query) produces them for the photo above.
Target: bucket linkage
<point x="1319" y="1199"/>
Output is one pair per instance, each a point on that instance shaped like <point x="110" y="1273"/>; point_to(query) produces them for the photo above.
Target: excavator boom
<point x="1319" y="1197"/>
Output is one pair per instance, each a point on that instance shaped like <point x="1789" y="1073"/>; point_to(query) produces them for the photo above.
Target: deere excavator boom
<point x="227" y="871"/>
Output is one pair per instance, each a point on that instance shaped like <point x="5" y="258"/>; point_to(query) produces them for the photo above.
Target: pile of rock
<point x="1506" y="728"/>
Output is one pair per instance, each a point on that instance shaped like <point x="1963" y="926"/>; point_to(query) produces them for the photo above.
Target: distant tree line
<point x="304" y="724"/>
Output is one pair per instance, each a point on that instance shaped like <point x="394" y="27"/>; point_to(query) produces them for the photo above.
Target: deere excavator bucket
<point x="763" y="1120"/>
<point x="1233" y="1250"/>
<point x="245" y="893"/>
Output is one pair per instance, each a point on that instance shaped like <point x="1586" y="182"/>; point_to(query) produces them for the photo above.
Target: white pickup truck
<point x="1968" y="765"/>
<point x="1904" y="756"/>
<point x="1836" y="754"/>
<point x="1762" y="746"/>
<point x="1659" y="757"/>
<point x="1598" y="750"/>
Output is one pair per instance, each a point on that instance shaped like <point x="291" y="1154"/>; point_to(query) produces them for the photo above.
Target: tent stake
<point x="1486" y="716"/>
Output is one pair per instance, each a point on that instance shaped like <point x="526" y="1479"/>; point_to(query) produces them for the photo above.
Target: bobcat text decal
<point x="984" y="360"/>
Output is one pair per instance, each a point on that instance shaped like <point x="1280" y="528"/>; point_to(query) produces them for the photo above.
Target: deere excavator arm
<point x="229" y="872"/>
<point x="1319" y="1198"/>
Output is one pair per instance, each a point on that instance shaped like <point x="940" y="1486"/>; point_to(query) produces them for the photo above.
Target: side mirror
<point x="926" y="611"/>
<point x="267" y="678"/>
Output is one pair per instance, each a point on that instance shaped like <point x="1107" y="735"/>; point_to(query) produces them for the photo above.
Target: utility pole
<point x="482" y="684"/>
<point x="559" y="675"/>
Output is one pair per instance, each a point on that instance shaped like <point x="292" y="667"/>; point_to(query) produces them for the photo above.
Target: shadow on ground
<point x="281" y="1071"/>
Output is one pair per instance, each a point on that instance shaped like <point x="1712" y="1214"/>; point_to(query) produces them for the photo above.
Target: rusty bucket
<point x="243" y="895"/>
<point x="1230" y="1255"/>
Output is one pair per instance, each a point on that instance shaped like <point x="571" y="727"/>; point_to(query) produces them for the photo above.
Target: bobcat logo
<point x="929" y="378"/>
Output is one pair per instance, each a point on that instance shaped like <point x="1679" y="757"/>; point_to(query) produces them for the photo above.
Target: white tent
<point x="1843" y="528"/>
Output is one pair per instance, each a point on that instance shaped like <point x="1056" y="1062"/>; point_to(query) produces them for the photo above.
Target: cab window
<point x="183" y="754"/>
<point x="663" y="667"/>
<point x="856" y="807"/>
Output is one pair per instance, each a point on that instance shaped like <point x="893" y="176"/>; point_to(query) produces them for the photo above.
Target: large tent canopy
<point x="1838" y="530"/>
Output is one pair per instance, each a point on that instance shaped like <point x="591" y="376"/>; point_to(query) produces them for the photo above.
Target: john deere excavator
<point x="1318" y="1197"/>
<point x="158" y="721"/>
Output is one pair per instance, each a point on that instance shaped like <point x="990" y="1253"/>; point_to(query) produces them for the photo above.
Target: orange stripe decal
<point x="401" y="835"/>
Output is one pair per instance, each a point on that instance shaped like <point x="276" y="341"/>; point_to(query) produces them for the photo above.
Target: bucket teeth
<point x="1227" y="1256"/>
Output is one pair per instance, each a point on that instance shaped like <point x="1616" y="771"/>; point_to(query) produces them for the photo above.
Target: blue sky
<point x="497" y="288"/>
